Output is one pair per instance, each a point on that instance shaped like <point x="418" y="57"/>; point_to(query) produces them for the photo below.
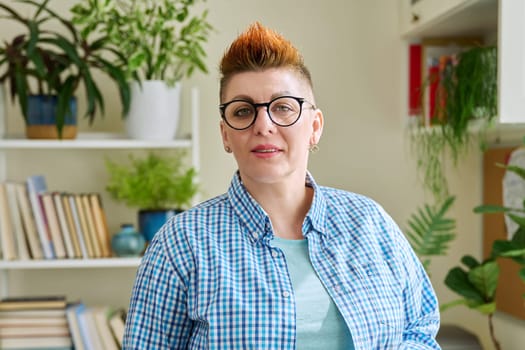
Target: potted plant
<point x="163" y="43"/>
<point x="477" y="283"/>
<point x="159" y="185"/>
<point x="44" y="68"/>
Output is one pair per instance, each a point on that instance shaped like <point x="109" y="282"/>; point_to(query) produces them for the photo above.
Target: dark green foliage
<point x="154" y="182"/>
<point x="477" y="284"/>
<point x="430" y="232"/>
<point x="43" y="61"/>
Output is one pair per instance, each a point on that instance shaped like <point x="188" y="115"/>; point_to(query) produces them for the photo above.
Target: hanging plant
<point x="466" y="95"/>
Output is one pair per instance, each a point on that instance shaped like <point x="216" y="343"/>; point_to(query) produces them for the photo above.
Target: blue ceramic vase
<point x="128" y="242"/>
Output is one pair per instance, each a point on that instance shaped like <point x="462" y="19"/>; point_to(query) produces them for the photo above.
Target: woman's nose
<point x="263" y="123"/>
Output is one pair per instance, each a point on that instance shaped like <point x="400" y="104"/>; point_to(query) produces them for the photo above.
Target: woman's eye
<point x="243" y="112"/>
<point x="282" y="108"/>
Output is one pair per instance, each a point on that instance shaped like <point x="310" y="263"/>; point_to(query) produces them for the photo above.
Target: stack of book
<point x="34" y="323"/>
<point x="50" y="322"/>
<point x="36" y="223"/>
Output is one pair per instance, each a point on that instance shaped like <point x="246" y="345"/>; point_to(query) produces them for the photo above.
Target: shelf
<point x="91" y="141"/>
<point x="69" y="263"/>
<point x="467" y="18"/>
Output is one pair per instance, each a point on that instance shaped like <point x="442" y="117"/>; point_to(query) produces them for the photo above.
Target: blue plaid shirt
<point x="210" y="278"/>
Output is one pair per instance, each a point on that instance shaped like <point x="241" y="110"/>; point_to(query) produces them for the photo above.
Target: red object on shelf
<point x="433" y="74"/>
<point x="414" y="87"/>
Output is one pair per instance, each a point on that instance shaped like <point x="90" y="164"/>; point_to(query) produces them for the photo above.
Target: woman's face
<point x="265" y="152"/>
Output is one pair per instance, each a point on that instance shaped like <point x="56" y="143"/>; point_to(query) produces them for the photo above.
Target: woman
<point x="278" y="262"/>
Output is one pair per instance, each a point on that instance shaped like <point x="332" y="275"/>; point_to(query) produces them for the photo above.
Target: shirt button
<point x="255" y="235"/>
<point x="337" y="288"/>
<point x="275" y="254"/>
<point x="286" y="294"/>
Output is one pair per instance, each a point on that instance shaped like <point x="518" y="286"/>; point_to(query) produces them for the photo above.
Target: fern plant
<point x="430" y="231"/>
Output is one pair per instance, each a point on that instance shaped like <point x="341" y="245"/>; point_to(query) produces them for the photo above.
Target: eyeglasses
<point x="283" y="111"/>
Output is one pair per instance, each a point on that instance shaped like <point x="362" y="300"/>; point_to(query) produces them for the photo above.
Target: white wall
<point x="358" y="64"/>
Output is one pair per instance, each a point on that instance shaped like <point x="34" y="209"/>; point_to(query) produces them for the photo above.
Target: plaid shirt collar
<point x="256" y="220"/>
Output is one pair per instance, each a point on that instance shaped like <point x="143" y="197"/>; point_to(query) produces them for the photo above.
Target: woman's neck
<point x="286" y="204"/>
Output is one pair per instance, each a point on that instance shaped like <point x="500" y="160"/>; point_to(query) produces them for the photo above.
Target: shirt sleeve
<point x="420" y="302"/>
<point x="157" y="317"/>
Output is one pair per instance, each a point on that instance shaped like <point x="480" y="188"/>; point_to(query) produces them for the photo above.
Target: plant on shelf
<point x="56" y="62"/>
<point x="159" y="37"/>
<point x="159" y="185"/>
<point x="466" y="106"/>
<point x="163" y="42"/>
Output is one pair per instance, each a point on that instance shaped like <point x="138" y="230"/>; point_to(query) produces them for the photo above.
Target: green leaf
<point x="446" y="306"/>
<point x="520" y="220"/>
<point x="470" y="261"/>
<point x="457" y="280"/>
<point x="485" y="279"/>
<point x="486" y="309"/>
<point x="429" y="231"/>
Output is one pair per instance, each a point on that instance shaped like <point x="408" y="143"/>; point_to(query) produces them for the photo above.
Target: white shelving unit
<point x="500" y="21"/>
<point x="87" y="141"/>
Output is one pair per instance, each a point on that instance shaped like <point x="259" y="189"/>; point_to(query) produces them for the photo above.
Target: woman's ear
<point x="317" y="127"/>
<point x="224" y="135"/>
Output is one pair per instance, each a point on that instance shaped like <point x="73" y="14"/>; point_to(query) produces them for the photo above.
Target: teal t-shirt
<point x="319" y="322"/>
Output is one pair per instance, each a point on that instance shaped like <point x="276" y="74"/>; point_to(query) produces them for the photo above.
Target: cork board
<point x="509" y="295"/>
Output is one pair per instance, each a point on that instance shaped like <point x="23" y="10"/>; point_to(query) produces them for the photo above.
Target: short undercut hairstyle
<point x="260" y="48"/>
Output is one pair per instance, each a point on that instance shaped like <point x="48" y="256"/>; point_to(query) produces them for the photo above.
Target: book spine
<point x="36" y="184"/>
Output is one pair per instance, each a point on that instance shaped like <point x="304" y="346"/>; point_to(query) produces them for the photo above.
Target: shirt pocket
<point x="379" y="295"/>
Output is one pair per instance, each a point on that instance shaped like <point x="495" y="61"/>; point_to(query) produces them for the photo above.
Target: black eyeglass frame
<point x="300" y="100"/>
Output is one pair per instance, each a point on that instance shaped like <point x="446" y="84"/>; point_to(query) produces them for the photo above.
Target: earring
<point x="313" y="148"/>
<point x="227" y="149"/>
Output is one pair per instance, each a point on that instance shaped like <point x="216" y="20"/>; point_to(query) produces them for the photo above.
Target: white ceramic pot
<point x="154" y="111"/>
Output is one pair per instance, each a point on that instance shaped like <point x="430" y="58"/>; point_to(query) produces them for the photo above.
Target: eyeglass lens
<point x="283" y="111"/>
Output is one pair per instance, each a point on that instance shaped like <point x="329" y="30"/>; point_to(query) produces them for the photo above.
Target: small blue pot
<point x="41" y="110"/>
<point x="150" y="221"/>
<point x="128" y="242"/>
<point x="41" y="118"/>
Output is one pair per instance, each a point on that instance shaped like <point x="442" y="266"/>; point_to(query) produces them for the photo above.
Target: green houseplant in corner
<point x="478" y="285"/>
<point x="158" y="185"/>
<point x="45" y="67"/>
<point x="163" y="42"/>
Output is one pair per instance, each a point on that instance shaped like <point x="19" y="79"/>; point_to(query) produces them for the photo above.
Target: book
<point x="32" y="313"/>
<point x="79" y="251"/>
<point x="64" y="227"/>
<point x="16" y="222"/>
<point x="72" y="311"/>
<point x="88" y="214"/>
<point x="6" y="232"/>
<point x="37" y="184"/>
<point x="25" y="321"/>
<point x="33" y="302"/>
<point x="70" y="198"/>
<point x="34" y="331"/>
<point x="100" y="222"/>
<point x="414" y="81"/>
<point x="101" y="315"/>
<point x="117" y="324"/>
<point x="36" y="343"/>
<point x="52" y="224"/>
<point x="88" y="329"/>
<point x="76" y="203"/>
<point x="28" y="222"/>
